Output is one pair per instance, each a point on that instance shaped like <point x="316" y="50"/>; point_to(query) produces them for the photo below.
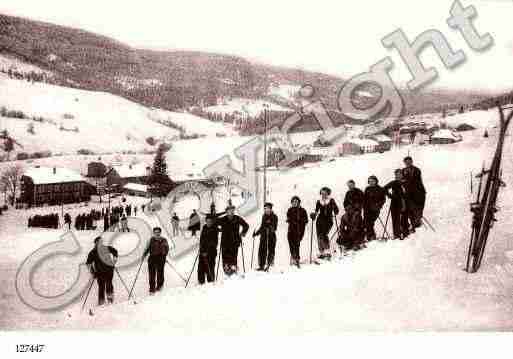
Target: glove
<point x="312" y="216"/>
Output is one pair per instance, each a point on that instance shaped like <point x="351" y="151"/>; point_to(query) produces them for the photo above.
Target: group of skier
<point x="406" y="192"/>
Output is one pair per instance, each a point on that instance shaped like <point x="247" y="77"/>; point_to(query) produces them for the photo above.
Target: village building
<point x="120" y="175"/>
<point x="445" y="136"/>
<point x="52" y="186"/>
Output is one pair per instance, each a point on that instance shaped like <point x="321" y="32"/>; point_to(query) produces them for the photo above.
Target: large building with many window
<point x="53" y="186"/>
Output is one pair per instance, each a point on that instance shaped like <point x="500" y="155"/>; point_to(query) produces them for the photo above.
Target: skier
<point x="354" y="196"/>
<point x="267" y="233"/>
<point x="124" y="224"/>
<point x="194" y="223"/>
<point x="297" y="219"/>
<point x="158" y="249"/>
<point x="135" y="211"/>
<point x="325" y="209"/>
<point x="415" y="192"/>
<point x="351" y="230"/>
<point x="231" y="238"/>
<point x="209" y="238"/>
<point x="175" y="221"/>
<point x="374" y="199"/>
<point x="67" y="220"/>
<point x="101" y="261"/>
<point x="397" y="205"/>
<point x="105" y="222"/>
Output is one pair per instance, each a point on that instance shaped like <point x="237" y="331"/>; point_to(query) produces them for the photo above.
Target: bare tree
<point x="10" y="180"/>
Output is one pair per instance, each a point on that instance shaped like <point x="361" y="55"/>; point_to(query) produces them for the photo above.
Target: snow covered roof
<point x="363" y="142"/>
<point x="128" y="170"/>
<point x="136" y="187"/>
<point x="46" y="175"/>
<point x="446" y="134"/>
<point x="382" y="138"/>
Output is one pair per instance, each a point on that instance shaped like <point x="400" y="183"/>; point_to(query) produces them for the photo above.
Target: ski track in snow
<point x="416" y="284"/>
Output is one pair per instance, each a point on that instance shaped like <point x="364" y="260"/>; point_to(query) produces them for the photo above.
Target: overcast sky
<point x="336" y="37"/>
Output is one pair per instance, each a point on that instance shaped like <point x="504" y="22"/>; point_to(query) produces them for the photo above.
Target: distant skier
<point x="374" y="199"/>
<point x="101" y="261"/>
<point x="67" y="220"/>
<point x="396" y="192"/>
<point x="351" y="233"/>
<point x="175" y="222"/>
<point x="194" y="223"/>
<point x="354" y="196"/>
<point x="209" y="238"/>
<point x="231" y="238"/>
<point x="267" y="233"/>
<point x="325" y="209"/>
<point x="124" y="224"/>
<point x="297" y="218"/>
<point x="158" y="249"/>
<point x="415" y="192"/>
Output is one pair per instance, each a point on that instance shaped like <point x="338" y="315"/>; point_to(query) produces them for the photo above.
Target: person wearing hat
<point x="297" y="218"/>
<point x="231" y="239"/>
<point x="373" y="200"/>
<point x="415" y="192"/>
<point x="101" y="261"/>
<point x="325" y="209"/>
<point x="267" y="233"/>
<point x="354" y="196"/>
<point x="209" y="238"/>
<point x="158" y="249"/>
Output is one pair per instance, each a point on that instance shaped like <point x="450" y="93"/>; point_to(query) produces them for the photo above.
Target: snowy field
<point x="105" y="122"/>
<point x="414" y="285"/>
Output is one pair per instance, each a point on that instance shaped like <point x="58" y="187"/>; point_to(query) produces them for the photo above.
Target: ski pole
<point x="218" y="262"/>
<point x="253" y="250"/>
<point x="122" y="281"/>
<point x="242" y="252"/>
<point x="429" y="224"/>
<point x="384" y="229"/>
<point x="311" y="241"/>
<point x="192" y="270"/>
<point x="386" y="223"/>
<point x="88" y="291"/>
<point x="174" y="269"/>
<point x="135" y="280"/>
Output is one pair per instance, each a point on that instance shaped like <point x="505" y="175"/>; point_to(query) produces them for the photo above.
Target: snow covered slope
<point x="416" y="284"/>
<point x="105" y="122"/>
<point x="251" y="107"/>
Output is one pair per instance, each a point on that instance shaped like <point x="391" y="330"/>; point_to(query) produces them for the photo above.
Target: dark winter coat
<point x="413" y="182"/>
<point x="99" y="257"/>
<point x="354" y="198"/>
<point x="297" y="218"/>
<point x="397" y="196"/>
<point x="209" y="239"/>
<point x="351" y="229"/>
<point x="230" y="229"/>
<point x="157" y="247"/>
<point x="374" y="198"/>
<point x="269" y="226"/>
<point x="325" y="212"/>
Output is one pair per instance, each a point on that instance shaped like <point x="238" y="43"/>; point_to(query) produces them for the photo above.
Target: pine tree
<point x="159" y="182"/>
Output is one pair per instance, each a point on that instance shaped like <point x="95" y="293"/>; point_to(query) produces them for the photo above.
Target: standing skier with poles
<point x="325" y="209"/>
<point x="267" y="233"/>
<point x="209" y="238"/>
<point x="374" y="199"/>
<point x="297" y="218"/>
<point x="415" y="192"/>
<point x="158" y="249"/>
<point x="231" y="238"/>
<point x="101" y="261"/>
<point x="397" y="205"/>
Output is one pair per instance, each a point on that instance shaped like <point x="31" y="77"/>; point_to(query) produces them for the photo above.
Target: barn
<point x="120" y="175"/>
